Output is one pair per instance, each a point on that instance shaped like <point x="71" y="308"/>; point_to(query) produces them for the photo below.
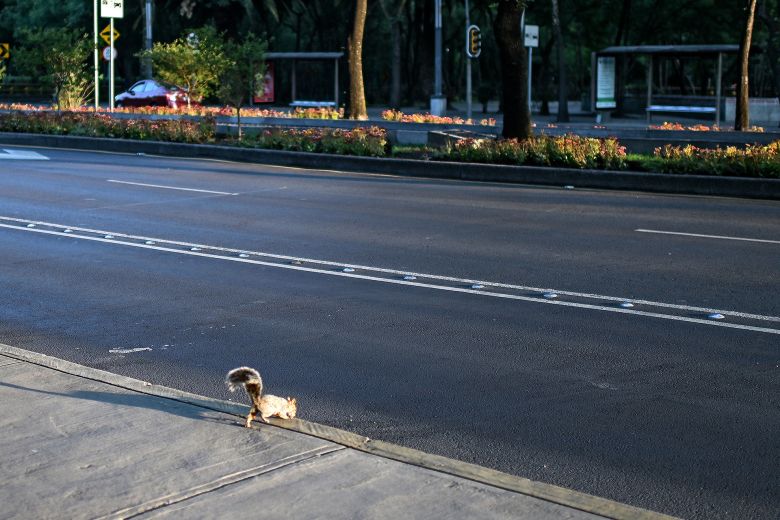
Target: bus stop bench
<point x="313" y="104"/>
<point x="669" y="109"/>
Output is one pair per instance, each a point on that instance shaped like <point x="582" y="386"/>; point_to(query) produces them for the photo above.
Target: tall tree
<point x="396" y="18"/>
<point x="357" y="94"/>
<point x="563" y="91"/>
<point x="742" y="118"/>
<point x="514" y="76"/>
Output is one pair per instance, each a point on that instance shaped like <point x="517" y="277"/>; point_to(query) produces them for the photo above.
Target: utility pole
<point x="438" y="101"/>
<point x="148" y="39"/>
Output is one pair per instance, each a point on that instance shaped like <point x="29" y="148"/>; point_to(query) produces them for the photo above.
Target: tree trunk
<point x="742" y="119"/>
<point x="357" y="95"/>
<point x="625" y="17"/>
<point x="238" y="122"/>
<point x="514" y="74"/>
<point x="772" y="46"/>
<point x="563" y="91"/>
<point x="395" y="87"/>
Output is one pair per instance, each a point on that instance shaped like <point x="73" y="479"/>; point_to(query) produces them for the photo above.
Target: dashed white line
<point x="697" y="235"/>
<point x="196" y="250"/>
<point x="170" y="187"/>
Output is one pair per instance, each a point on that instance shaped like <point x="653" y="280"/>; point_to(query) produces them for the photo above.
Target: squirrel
<point x="267" y="405"/>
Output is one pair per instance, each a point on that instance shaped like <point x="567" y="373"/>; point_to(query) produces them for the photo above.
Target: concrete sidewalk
<point x="82" y="443"/>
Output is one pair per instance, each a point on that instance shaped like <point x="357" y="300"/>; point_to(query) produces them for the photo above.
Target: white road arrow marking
<point x="24" y="155"/>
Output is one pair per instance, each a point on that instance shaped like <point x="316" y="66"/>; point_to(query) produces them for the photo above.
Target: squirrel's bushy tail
<point x="249" y="378"/>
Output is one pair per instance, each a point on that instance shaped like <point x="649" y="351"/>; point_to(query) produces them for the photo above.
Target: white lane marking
<point x="464" y="281"/>
<point x="24" y="155"/>
<point x="720" y="237"/>
<point x="170" y="187"/>
<point x="128" y="350"/>
<point x="400" y="282"/>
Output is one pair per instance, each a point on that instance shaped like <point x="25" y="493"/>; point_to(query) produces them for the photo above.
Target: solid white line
<point x="170" y="187"/>
<point x="418" y="275"/>
<point x="400" y="282"/>
<point x="707" y="236"/>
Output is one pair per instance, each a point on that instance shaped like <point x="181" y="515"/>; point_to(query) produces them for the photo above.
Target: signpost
<point x="109" y="53"/>
<point x="108" y="36"/>
<point x="111" y="9"/>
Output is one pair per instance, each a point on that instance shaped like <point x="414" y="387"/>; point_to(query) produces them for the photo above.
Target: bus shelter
<point x="604" y="80"/>
<point x="294" y="58"/>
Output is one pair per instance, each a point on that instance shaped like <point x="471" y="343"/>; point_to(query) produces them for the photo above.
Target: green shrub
<point x="569" y="151"/>
<point x="752" y="161"/>
<point x="371" y="142"/>
<point x="98" y="125"/>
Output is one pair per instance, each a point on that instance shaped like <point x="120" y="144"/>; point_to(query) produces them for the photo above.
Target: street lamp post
<point x="148" y="39"/>
<point x="438" y="101"/>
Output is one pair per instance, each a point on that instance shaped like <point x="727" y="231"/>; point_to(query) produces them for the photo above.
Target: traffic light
<point x="473" y="41"/>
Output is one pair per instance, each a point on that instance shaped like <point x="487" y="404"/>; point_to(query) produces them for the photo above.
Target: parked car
<point x="149" y="92"/>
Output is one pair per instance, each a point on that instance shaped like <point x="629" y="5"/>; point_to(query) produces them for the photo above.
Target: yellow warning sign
<point x="5" y="51"/>
<point x="107" y="36"/>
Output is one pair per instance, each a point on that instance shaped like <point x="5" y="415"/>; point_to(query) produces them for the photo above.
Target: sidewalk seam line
<point x="217" y="484"/>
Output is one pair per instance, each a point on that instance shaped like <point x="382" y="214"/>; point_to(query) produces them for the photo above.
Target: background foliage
<point x="324" y="25"/>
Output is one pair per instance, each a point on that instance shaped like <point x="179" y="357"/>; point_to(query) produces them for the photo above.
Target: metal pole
<point x="336" y="83"/>
<point x="530" y="71"/>
<point x="95" y="52"/>
<point x="111" y="71"/>
<point x="649" y="87"/>
<point x="468" y="66"/>
<point x="148" y="41"/>
<point x="437" y="65"/>
<point x="718" y="88"/>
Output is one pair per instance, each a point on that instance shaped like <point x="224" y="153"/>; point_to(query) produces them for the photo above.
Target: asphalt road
<point x="106" y="261"/>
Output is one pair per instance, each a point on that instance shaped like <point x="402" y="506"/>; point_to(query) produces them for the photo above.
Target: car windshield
<point x="170" y="87"/>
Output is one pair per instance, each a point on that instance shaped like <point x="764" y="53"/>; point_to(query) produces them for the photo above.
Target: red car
<point x="149" y="92"/>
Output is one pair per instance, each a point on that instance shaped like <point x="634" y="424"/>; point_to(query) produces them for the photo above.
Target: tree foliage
<point x="398" y="47"/>
<point x="60" y="58"/>
<point x="243" y="74"/>
<point x="196" y="62"/>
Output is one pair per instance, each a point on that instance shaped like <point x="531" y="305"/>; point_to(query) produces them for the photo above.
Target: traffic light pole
<point x="468" y="66"/>
<point x="95" y="51"/>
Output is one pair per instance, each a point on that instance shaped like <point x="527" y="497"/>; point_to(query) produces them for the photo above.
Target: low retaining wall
<point x="613" y="180"/>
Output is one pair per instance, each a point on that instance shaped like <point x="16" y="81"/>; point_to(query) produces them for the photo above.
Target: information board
<point x="605" y="86"/>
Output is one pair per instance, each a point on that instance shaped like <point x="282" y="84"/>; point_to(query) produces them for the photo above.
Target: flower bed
<point x="752" y="161"/>
<point x="195" y="110"/>
<point x="100" y="125"/>
<point x="568" y="151"/>
<point x="696" y="128"/>
<point x="400" y="117"/>
<point x="360" y="141"/>
<point x="371" y="142"/>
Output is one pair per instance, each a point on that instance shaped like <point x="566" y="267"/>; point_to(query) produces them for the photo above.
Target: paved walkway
<point x="82" y="443"/>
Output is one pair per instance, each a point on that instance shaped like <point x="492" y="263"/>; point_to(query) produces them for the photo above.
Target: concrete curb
<point x="557" y="495"/>
<point x="754" y="188"/>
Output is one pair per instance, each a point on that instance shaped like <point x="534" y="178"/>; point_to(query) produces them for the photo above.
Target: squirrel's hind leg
<point x="251" y="416"/>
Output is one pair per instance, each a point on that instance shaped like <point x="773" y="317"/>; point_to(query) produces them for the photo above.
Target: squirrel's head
<point x="292" y="406"/>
